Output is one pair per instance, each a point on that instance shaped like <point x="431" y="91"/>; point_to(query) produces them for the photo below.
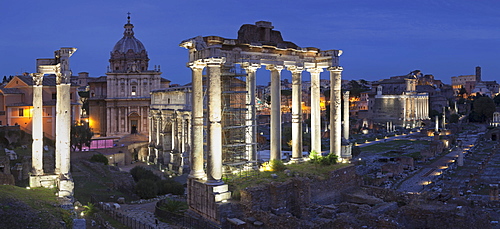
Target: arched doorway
<point x="134" y="122"/>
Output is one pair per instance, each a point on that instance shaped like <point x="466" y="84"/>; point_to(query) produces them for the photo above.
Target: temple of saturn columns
<point x="59" y="66"/>
<point x="257" y="46"/>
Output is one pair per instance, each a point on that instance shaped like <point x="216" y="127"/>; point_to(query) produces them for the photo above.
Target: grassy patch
<point x="302" y="170"/>
<point x="395" y="144"/>
<point x="30" y="208"/>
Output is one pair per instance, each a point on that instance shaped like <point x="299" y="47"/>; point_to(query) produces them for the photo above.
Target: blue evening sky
<point x="380" y="38"/>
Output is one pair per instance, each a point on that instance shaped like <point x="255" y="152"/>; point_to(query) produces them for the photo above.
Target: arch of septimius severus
<point x="257" y="46"/>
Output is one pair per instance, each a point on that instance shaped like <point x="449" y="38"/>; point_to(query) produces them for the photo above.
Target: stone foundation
<point x="207" y="200"/>
<point x="46" y="181"/>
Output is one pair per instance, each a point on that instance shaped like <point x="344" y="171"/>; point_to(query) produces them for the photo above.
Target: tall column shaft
<point x="63" y="121"/>
<point x="296" y="112"/>
<point x="346" y="116"/>
<point x="37" y="122"/>
<point x="197" y="171"/>
<point x="315" y="110"/>
<point x="251" y="123"/>
<point x="214" y="166"/>
<point x="335" y="110"/>
<point x="275" y="147"/>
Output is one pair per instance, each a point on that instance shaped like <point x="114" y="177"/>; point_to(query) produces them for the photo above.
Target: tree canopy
<point x="81" y="136"/>
<point x="482" y="109"/>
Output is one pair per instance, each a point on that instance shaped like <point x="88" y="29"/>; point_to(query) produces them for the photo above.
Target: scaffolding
<point x="235" y="155"/>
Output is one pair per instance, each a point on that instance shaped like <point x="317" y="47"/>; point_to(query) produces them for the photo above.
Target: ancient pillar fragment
<point x="335" y="110"/>
<point x="197" y="171"/>
<point x="315" y="110"/>
<point x="296" y="112"/>
<point x="346" y="116"/>
<point x="275" y="153"/>
<point x="37" y="122"/>
<point x="214" y="105"/>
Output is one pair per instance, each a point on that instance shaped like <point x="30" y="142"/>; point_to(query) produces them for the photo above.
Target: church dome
<point x="129" y="41"/>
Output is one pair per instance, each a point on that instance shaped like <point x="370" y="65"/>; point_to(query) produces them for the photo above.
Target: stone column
<point x="335" y="110"/>
<point x="214" y="141"/>
<point x="346" y="116"/>
<point x="197" y="171"/>
<point x="296" y="112"/>
<point x="275" y="152"/>
<point x="63" y="122"/>
<point x="436" y="128"/>
<point x="315" y="110"/>
<point x="251" y="123"/>
<point x="37" y="122"/>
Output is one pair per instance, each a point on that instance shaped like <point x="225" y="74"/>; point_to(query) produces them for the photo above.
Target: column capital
<point x="61" y="78"/>
<point x="250" y="67"/>
<point x="215" y="61"/>
<point x="273" y="67"/>
<point x="295" y="69"/>
<point x="196" y="65"/>
<point x="346" y="94"/>
<point x="335" y="69"/>
<point x="315" y="70"/>
<point x="37" y="78"/>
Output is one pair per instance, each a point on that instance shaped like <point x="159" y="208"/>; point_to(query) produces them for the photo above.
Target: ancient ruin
<point x="62" y="177"/>
<point x="256" y="46"/>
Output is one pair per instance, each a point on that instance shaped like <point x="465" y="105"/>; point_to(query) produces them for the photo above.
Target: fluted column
<point x="251" y="123"/>
<point x="315" y="110"/>
<point x="296" y="112"/>
<point x="346" y="116"/>
<point x="214" y="141"/>
<point x="63" y="123"/>
<point x="335" y="110"/>
<point x="275" y="148"/>
<point x="37" y="122"/>
<point x="196" y="158"/>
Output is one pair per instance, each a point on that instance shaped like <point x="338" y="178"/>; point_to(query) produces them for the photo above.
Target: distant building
<point x="474" y="85"/>
<point x="119" y="102"/>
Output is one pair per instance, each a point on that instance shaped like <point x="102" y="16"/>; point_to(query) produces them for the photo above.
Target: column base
<point x="45" y="181"/>
<point x="65" y="186"/>
<point x="346" y="153"/>
<point x="207" y="199"/>
<point x="297" y="160"/>
<point x="198" y="175"/>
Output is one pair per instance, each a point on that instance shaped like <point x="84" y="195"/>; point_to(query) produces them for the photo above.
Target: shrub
<point x="329" y="159"/>
<point x="173" y="206"/>
<point x="99" y="158"/>
<point x="146" y="189"/>
<point x="170" y="186"/>
<point x="277" y="165"/>
<point x="141" y="173"/>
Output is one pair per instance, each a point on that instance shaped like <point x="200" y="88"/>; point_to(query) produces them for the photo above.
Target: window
<point x="134" y="89"/>
<point x="20" y="112"/>
<point x="54" y="96"/>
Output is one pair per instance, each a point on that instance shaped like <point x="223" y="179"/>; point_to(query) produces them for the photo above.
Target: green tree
<point x="99" y="158"/>
<point x="146" y="189"/>
<point x="81" y="135"/>
<point x="482" y="109"/>
<point x="497" y="100"/>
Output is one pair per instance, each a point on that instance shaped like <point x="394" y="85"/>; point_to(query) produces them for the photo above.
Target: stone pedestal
<point x="65" y="186"/>
<point x="46" y="181"/>
<point x="346" y="153"/>
<point x="206" y="199"/>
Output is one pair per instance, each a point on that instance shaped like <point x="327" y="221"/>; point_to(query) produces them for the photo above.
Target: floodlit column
<point x="335" y="110"/>
<point x="251" y="123"/>
<point x="444" y="118"/>
<point x="214" y="141"/>
<point x="296" y="112"/>
<point x="315" y="110"/>
<point x="63" y="123"/>
<point x="346" y="116"/>
<point x="436" y="128"/>
<point x="275" y="147"/>
<point x="37" y="122"/>
<point x="197" y="171"/>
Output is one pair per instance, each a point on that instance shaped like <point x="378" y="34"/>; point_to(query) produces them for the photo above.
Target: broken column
<point x="37" y="125"/>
